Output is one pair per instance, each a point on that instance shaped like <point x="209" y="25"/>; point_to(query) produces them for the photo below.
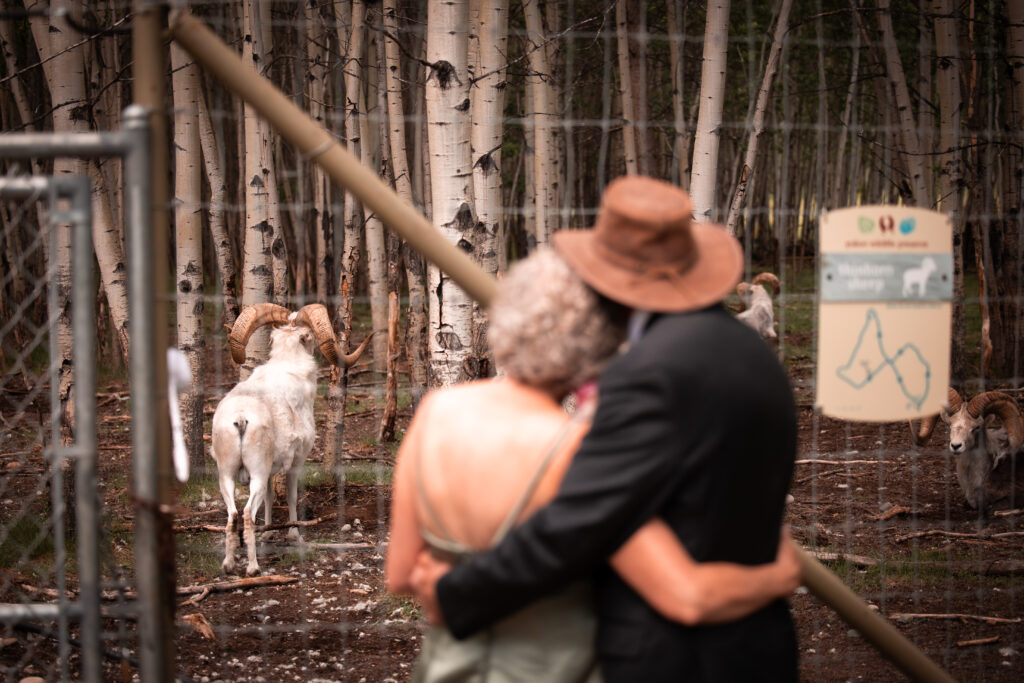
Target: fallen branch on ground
<point x="195" y="598"/>
<point x="983" y="537"/>
<point x="857" y="560"/>
<point x="265" y="527"/>
<point x="340" y="546"/>
<point x="45" y="592"/>
<point x="960" y="617"/>
<point x="894" y="511"/>
<point x="288" y="525"/>
<point x="822" y="475"/>
<point x="1008" y="513"/>
<point x="200" y="624"/>
<point x="977" y="641"/>
<point x="236" y="584"/>
<point x="939" y="532"/>
<point x="846" y="462"/>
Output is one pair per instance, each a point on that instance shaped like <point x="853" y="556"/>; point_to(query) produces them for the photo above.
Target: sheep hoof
<point x="252" y="570"/>
<point x="228" y="565"/>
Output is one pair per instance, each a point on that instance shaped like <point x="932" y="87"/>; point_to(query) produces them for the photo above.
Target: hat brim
<point x="712" y="276"/>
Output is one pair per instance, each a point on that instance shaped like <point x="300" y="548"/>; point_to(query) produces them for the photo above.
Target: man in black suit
<point x="695" y="424"/>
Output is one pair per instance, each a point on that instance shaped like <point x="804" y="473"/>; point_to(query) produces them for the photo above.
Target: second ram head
<point x="982" y="431"/>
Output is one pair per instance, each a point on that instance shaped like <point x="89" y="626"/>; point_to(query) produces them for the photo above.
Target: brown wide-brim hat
<point x="646" y="252"/>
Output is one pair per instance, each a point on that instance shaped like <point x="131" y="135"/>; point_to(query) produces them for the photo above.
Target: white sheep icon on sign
<point x="918" y="277"/>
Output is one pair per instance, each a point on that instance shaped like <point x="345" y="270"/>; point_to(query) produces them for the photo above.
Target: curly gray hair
<point x="548" y="328"/>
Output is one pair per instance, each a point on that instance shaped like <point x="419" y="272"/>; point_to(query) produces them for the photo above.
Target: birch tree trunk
<point x="317" y="44"/>
<point x="638" y="47"/>
<point x="709" y="119"/>
<point x="64" y="76"/>
<point x="416" y="335"/>
<point x="376" y="254"/>
<point x="842" y="179"/>
<point x="489" y="44"/>
<point x="681" y="139"/>
<point x="189" y="246"/>
<point x="448" y="141"/>
<point x="925" y="97"/>
<point x="352" y="249"/>
<point x="913" y="159"/>
<point x="950" y="171"/>
<point x="629" y="141"/>
<point x="757" y="123"/>
<point x="216" y="214"/>
<point x="487" y="109"/>
<point x="257" y="276"/>
<point x="552" y="15"/>
<point x="351" y="30"/>
<point x="544" y="151"/>
<point x="278" y="245"/>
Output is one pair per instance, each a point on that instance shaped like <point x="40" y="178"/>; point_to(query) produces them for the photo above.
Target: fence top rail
<point x="30" y="186"/>
<point x="87" y="144"/>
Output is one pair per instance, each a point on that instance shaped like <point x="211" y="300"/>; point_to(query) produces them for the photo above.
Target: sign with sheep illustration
<point x="885" y="283"/>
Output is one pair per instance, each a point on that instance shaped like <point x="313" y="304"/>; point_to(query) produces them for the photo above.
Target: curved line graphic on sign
<point x="872" y="320"/>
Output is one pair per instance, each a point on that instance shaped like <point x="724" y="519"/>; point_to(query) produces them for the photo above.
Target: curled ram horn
<point x="1002" y="405"/>
<point x="921" y="433"/>
<point x="248" y="321"/>
<point x="316" y="318"/>
<point x="768" y="279"/>
<point x="742" y="290"/>
<point x="351" y="358"/>
<point x="953" y="401"/>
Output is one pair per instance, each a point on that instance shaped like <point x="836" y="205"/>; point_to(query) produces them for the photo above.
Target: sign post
<point x="884" y="313"/>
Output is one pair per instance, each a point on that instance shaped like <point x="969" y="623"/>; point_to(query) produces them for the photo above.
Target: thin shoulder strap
<point x="542" y="467"/>
<point x="443" y="537"/>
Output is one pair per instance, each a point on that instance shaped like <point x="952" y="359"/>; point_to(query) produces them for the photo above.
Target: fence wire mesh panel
<point x="50" y="510"/>
<point x="503" y="122"/>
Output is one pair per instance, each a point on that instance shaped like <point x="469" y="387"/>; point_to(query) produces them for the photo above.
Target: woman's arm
<point x="405" y="541"/>
<point x="657" y="566"/>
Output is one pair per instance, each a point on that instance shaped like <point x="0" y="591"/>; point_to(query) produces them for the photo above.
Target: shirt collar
<point x="637" y="324"/>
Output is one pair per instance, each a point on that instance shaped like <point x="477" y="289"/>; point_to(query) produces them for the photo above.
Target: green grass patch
<point x="404" y="398"/>
<point x="929" y="570"/>
<point x="315" y="475"/>
<point x="368" y="473"/>
<point x="199" y="557"/>
<point x="398" y="607"/>
<point x="200" y="488"/>
<point x="27" y="543"/>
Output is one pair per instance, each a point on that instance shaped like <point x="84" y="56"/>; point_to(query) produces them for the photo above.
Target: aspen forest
<point x="502" y="121"/>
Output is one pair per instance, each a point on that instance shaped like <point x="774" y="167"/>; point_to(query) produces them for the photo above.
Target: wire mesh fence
<point x="824" y="105"/>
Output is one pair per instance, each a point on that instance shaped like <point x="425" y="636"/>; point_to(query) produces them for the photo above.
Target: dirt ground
<point x="860" y="492"/>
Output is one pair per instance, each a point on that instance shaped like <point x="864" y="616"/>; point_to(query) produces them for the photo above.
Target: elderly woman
<point x="480" y="457"/>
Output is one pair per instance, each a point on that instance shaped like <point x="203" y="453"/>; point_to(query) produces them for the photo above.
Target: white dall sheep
<point x="982" y="432"/>
<point x="759" y="313"/>
<point x="265" y="424"/>
<point x="918" y="277"/>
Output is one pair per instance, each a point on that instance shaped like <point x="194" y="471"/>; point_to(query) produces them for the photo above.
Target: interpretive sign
<point x="885" y="278"/>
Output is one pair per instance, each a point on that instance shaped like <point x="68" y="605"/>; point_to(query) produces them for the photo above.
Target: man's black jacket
<point x="695" y="424"/>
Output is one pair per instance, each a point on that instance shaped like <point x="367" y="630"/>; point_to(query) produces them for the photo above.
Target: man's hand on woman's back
<point x="424" y="577"/>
